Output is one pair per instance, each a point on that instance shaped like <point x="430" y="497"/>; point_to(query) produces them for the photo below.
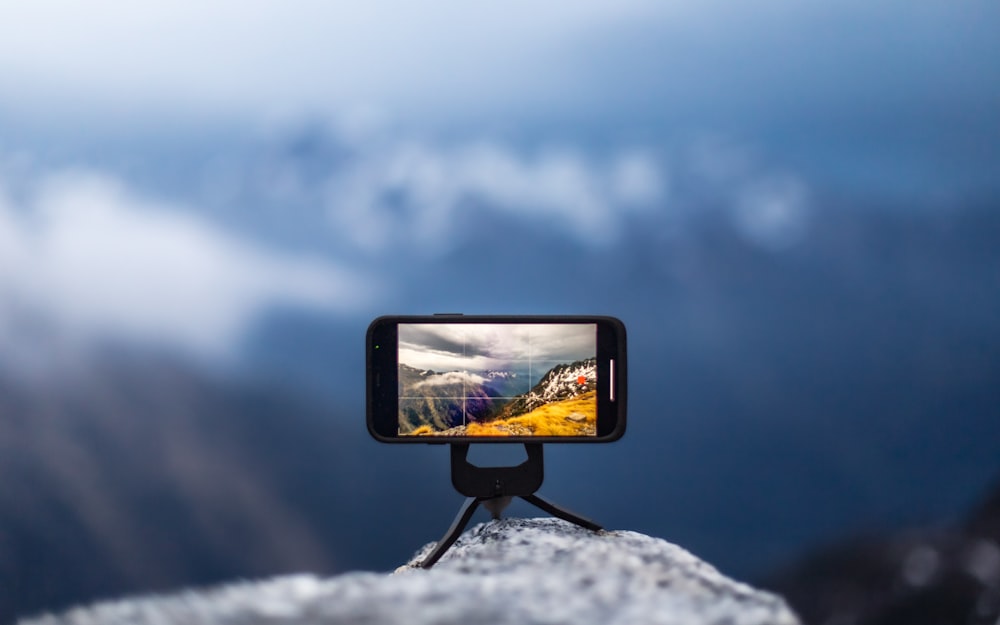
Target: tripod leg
<point x="562" y="513"/>
<point x="449" y="538"/>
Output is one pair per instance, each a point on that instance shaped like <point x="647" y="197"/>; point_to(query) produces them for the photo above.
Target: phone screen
<point x="460" y="378"/>
<point x="497" y="379"/>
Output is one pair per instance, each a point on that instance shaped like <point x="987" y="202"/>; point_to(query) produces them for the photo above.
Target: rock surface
<point x="509" y="571"/>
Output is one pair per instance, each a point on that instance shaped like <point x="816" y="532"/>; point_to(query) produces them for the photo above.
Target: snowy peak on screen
<point x="564" y="381"/>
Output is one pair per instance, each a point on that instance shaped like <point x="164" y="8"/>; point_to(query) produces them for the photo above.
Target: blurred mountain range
<point x="940" y="574"/>
<point x="143" y="473"/>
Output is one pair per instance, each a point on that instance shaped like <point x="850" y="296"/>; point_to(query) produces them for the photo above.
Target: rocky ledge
<point x="509" y="571"/>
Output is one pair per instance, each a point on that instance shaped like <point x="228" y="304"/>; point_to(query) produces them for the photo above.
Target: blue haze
<point x="812" y="293"/>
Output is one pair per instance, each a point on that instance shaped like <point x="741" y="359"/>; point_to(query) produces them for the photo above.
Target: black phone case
<point x="381" y="382"/>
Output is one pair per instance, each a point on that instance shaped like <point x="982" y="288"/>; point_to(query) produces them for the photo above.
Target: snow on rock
<point x="510" y="571"/>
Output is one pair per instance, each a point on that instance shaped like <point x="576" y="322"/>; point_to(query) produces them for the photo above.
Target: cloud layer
<point x="86" y="257"/>
<point x="414" y="192"/>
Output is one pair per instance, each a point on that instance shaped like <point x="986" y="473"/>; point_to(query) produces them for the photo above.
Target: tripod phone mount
<point x="494" y="487"/>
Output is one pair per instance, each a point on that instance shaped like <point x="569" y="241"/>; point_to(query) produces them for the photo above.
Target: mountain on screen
<point x="442" y="400"/>
<point x="559" y="383"/>
<point x="505" y="383"/>
<point x="449" y="399"/>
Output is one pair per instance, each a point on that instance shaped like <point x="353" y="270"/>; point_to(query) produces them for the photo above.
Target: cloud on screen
<point x="483" y="347"/>
<point x="90" y="257"/>
<point x="451" y="378"/>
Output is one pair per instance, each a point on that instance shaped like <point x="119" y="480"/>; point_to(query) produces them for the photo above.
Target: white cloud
<point x="415" y="191"/>
<point x="89" y="257"/>
<point x="769" y="208"/>
<point x="772" y="212"/>
<point x="451" y="377"/>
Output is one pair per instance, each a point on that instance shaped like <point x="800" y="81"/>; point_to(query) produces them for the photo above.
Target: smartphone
<point x="460" y="379"/>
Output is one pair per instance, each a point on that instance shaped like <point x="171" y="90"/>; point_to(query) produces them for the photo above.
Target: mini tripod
<point x="494" y="487"/>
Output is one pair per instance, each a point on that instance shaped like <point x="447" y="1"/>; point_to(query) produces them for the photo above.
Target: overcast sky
<point x="274" y="58"/>
<point x="710" y="61"/>
<point x="581" y="118"/>
<point x="461" y="347"/>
